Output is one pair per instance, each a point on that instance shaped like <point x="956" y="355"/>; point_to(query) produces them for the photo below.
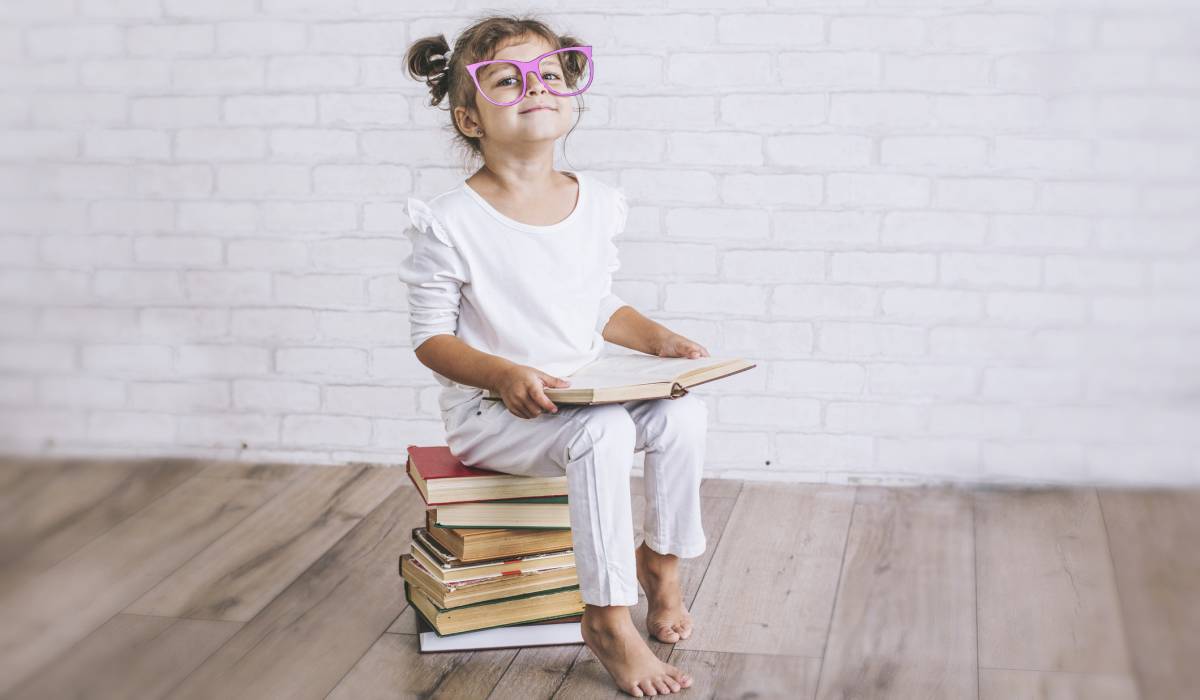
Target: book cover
<point x="419" y="613"/>
<point x="457" y="572"/>
<point x="458" y="596"/>
<point x="435" y="463"/>
<point x="526" y="634"/>
<point x="480" y="544"/>
<point x="545" y="512"/>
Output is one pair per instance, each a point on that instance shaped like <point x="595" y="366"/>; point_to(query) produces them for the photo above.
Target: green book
<point x="529" y="499"/>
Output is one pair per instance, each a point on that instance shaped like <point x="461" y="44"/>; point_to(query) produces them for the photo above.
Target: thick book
<point x="475" y="544"/>
<point x="481" y="590"/>
<point x="450" y="571"/>
<point x="528" y="607"/>
<point x="515" y="513"/>
<point x="441" y="478"/>
<point x="630" y="377"/>
<point x="531" y="634"/>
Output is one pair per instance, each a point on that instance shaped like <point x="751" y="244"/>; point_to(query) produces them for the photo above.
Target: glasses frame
<point x="531" y="66"/>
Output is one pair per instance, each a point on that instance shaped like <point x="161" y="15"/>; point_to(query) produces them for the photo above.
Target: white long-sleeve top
<point x="534" y="295"/>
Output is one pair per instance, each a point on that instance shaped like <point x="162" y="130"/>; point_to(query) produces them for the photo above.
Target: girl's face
<point x="521" y="122"/>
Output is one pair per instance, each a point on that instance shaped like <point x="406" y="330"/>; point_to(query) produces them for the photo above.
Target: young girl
<point x="509" y="288"/>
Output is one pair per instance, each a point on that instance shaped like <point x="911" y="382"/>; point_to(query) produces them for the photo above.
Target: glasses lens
<point x="566" y="72"/>
<point x="501" y="82"/>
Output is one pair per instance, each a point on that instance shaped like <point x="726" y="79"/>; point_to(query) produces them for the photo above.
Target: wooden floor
<point x="190" y="579"/>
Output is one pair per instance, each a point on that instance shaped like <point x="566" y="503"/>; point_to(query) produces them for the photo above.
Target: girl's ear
<point x="467" y="122"/>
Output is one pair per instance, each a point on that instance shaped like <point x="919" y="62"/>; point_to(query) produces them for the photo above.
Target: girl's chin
<point x="547" y="127"/>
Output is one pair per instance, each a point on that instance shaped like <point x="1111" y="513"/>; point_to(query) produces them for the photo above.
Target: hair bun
<point x="428" y="60"/>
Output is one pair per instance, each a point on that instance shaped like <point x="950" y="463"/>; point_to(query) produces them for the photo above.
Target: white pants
<point x="594" y="446"/>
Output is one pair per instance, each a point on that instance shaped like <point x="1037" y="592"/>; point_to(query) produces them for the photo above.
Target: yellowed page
<point x="628" y="370"/>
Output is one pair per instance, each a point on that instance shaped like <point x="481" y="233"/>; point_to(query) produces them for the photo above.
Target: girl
<point x="509" y="288"/>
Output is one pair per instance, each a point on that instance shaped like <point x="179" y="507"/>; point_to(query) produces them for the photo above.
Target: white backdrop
<point x="959" y="238"/>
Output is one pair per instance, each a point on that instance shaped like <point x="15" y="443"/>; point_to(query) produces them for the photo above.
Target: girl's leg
<point x="599" y="459"/>
<point x="673" y="433"/>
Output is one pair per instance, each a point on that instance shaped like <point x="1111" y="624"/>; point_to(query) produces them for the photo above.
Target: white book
<point x="500" y="637"/>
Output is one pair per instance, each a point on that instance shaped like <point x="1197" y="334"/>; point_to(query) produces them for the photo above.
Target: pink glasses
<point x="564" y="72"/>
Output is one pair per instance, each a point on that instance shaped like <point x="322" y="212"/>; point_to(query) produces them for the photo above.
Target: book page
<point x="628" y="370"/>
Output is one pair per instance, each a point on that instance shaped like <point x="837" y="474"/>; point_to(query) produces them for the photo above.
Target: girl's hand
<point x="521" y="388"/>
<point x="675" y="345"/>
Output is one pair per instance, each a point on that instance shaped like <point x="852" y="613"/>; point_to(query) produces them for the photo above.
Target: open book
<point x="617" y="378"/>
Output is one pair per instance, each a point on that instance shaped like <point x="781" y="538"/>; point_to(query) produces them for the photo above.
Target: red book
<point x="442" y="479"/>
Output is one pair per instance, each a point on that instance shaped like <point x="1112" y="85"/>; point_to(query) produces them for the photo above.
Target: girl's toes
<point x="672" y="684"/>
<point x="666" y="634"/>
<point x="647" y="687"/>
<point x="661" y="686"/>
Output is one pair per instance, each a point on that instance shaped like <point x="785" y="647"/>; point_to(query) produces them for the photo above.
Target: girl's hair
<point x="425" y="61"/>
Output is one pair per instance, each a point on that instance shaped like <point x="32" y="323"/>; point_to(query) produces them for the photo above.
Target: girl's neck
<point x="530" y="204"/>
<point x="518" y="178"/>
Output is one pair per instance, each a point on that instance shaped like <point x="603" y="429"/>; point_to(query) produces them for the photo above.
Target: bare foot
<point x="666" y="618"/>
<point x="610" y="634"/>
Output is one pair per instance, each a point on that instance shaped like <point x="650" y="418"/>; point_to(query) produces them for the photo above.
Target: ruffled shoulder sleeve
<point x="423" y="220"/>
<point x="434" y="272"/>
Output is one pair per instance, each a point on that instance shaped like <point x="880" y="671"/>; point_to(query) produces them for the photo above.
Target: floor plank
<point x="770" y="586"/>
<point x="16" y="470"/>
<point x="130" y="656"/>
<point x="45" y="616"/>
<point x="1047" y="598"/>
<point x="904" y="621"/>
<point x="1003" y="684"/>
<point x="53" y="511"/>
<point x="537" y="672"/>
<point x="386" y="671"/>
<point x="1153" y="537"/>
<point x="316" y="630"/>
<point x="715" y="488"/>
<point x="12" y="469"/>
<point x="239" y="573"/>
<point x="723" y="675"/>
<point x="283" y="471"/>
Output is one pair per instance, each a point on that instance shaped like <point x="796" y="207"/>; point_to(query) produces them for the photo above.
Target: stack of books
<point x="493" y="565"/>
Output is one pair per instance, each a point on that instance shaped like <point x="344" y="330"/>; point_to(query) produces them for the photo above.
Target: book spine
<point x="408" y="470"/>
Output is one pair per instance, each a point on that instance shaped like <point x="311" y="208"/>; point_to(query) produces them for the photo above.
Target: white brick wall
<point x="961" y="239"/>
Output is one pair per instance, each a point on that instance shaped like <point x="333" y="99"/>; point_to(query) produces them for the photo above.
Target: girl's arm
<point x="520" y="386"/>
<point x="629" y="328"/>
<point x="450" y="357"/>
